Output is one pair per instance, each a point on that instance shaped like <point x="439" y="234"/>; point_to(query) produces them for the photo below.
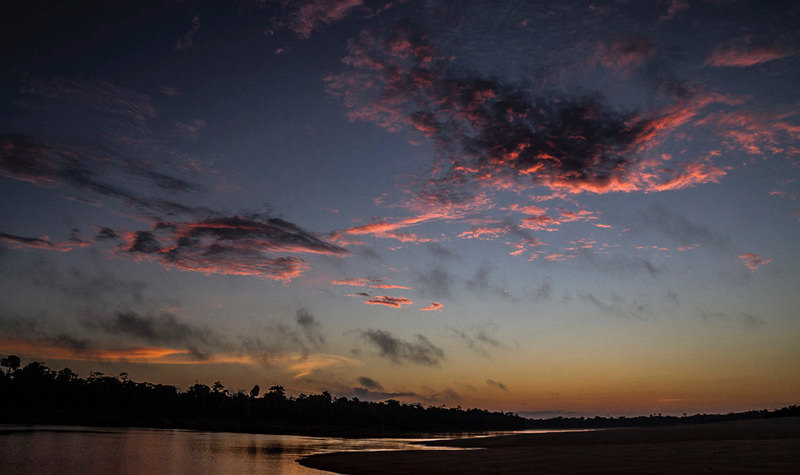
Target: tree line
<point x="36" y="394"/>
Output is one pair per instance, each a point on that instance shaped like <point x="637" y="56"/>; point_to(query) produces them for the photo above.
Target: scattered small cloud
<point x="754" y="261"/>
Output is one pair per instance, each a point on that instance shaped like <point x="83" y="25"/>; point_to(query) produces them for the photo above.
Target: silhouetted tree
<point x="11" y="362"/>
<point x="37" y="394"/>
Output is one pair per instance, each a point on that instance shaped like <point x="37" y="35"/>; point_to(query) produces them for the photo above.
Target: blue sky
<point x="583" y="207"/>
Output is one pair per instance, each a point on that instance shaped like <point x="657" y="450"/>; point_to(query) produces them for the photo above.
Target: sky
<point x="545" y="207"/>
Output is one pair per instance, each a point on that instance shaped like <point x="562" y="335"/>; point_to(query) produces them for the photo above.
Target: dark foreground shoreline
<point x="748" y="446"/>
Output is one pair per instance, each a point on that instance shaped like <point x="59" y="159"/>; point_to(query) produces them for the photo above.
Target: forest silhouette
<point x="36" y="394"/>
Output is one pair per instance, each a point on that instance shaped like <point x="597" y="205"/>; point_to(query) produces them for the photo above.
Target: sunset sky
<point x="535" y="206"/>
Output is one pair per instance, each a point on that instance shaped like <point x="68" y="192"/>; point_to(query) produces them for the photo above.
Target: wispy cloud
<point x="187" y="40"/>
<point x="433" y="307"/>
<point x="746" y="53"/>
<point x="479" y="339"/>
<point x="366" y="282"/>
<point x="496" y="384"/>
<point x="304" y="17"/>
<point x="680" y="229"/>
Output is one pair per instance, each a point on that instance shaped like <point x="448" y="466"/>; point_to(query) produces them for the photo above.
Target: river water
<point x="95" y="450"/>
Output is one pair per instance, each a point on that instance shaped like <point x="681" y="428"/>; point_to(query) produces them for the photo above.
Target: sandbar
<point x="750" y="446"/>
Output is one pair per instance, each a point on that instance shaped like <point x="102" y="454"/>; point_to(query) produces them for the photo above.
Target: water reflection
<point x="54" y="449"/>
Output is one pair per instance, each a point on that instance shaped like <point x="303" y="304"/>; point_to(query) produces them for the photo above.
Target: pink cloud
<point x="43" y="243"/>
<point x="483" y="233"/>
<point x="530" y="210"/>
<point x="499" y="136"/>
<point x="580" y="215"/>
<point x="540" y="223"/>
<point x="754" y="261"/>
<point x="395" y="302"/>
<point x="428" y="210"/>
<point x="365" y="282"/>
<point x="389" y="286"/>
<point x="675" y="7"/>
<point x="307" y="16"/>
<point x="755" y="132"/>
<point x="745" y="55"/>
<point x="434" y="307"/>
<point x="354" y="282"/>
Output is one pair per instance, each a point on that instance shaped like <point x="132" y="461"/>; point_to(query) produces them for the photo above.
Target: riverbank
<point x="751" y="446"/>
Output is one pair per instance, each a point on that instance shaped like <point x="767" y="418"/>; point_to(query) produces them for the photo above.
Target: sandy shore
<point x="755" y="446"/>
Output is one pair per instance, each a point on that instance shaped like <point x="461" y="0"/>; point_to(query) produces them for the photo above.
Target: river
<point x="101" y="450"/>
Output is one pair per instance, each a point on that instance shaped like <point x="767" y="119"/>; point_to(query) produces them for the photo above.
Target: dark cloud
<point x="62" y="340"/>
<point x="497" y="384"/>
<point x="480" y="339"/>
<point x="441" y="252"/>
<point x="492" y="133"/>
<point x="683" y="231"/>
<point x="15" y="328"/>
<point x="165" y="328"/>
<point x="161" y="180"/>
<point x="104" y="233"/>
<point x="369" y="383"/>
<point x="449" y="393"/>
<point x="237" y="245"/>
<point x="618" y="264"/>
<point x="543" y="292"/>
<point x="482" y="281"/>
<point x="481" y="278"/>
<point x="87" y="286"/>
<point x="310" y="326"/>
<point x="193" y="238"/>
<point x="124" y="106"/>
<point x="436" y="283"/>
<point x="23" y="241"/>
<point x="29" y="159"/>
<point x="419" y="351"/>
<point x="370" y="395"/>
<point x="742" y="318"/>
